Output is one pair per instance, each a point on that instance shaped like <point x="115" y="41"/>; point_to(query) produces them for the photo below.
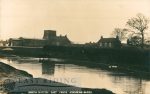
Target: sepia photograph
<point x="74" y="46"/>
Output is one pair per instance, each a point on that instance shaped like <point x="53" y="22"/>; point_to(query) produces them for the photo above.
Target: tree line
<point x="134" y="32"/>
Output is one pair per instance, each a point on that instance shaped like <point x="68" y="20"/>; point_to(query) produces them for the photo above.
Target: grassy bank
<point x="6" y="71"/>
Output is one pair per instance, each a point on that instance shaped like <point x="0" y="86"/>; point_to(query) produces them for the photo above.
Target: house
<point x="109" y="42"/>
<point x="49" y="38"/>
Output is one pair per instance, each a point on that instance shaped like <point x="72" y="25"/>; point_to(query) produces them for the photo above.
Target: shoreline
<point x="8" y="72"/>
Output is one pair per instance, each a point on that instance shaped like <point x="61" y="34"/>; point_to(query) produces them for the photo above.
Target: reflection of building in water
<point x="49" y="38"/>
<point x="61" y="67"/>
<point x="48" y="68"/>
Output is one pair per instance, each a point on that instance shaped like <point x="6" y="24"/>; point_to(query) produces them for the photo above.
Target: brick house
<point x="109" y="42"/>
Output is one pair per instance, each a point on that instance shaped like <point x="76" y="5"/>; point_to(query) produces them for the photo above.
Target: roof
<point x="108" y="40"/>
<point x="53" y="38"/>
<point x="62" y="38"/>
<point x="21" y="38"/>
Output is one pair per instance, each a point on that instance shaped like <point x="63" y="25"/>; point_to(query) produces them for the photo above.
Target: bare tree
<point x="139" y="23"/>
<point x="121" y="33"/>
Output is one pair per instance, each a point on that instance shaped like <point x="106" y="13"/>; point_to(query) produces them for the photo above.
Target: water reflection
<point x="48" y="68"/>
<point x="130" y="85"/>
<point x="84" y="76"/>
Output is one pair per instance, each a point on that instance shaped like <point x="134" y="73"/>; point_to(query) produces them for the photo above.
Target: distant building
<point x="49" y="34"/>
<point x="27" y="42"/>
<point x="49" y="38"/>
<point x="109" y="42"/>
<point x="91" y="44"/>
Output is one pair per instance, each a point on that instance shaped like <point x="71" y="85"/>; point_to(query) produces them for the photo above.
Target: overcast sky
<point x="81" y="20"/>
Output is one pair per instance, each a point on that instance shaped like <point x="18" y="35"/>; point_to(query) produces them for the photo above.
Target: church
<point x="49" y="38"/>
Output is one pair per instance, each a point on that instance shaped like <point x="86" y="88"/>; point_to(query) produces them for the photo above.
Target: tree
<point x="121" y="33"/>
<point x="139" y="23"/>
<point x="134" y="41"/>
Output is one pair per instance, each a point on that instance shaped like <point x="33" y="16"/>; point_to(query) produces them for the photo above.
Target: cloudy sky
<point x="81" y="20"/>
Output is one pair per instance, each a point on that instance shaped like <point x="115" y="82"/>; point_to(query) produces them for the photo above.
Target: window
<point x="57" y="43"/>
<point x="100" y="44"/>
<point x="105" y="44"/>
<point x="110" y="44"/>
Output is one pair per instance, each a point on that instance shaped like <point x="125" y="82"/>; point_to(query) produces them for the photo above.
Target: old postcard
<point x="74" y="46"/>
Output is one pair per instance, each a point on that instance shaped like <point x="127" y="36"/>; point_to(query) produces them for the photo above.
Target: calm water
<point x="80" y="76"/>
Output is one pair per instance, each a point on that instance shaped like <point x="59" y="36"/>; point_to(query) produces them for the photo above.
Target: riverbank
<point x="7" y="71"/>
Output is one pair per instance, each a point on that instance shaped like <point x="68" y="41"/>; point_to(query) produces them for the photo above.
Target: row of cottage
<point x="50" y="38"/>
